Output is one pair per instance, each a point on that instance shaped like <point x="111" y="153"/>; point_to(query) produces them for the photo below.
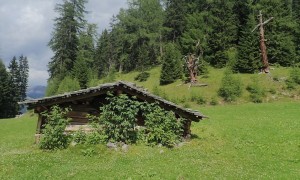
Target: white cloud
<point x="26" y="28"/>
<point x="37" y="77"/>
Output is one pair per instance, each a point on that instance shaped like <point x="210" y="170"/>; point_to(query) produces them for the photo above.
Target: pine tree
<point x="142" y="22"/>
<point x="296" y="17"/>
<point x="7" y="106"/>
<point x="102" y="62"/>
<point x="176" y="11"/>
<point x="85" y="56"/>
<point x="249" y="59"/>
<point x="23" y="81"/>
<point x="280" y="32"/>
<point x="14" y="83"/>
<point x="64" y="42"/>
<point x="223" y="34"/>
<point x="172" y="66"/>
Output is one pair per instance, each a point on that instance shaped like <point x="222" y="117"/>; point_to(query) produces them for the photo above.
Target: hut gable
<point x="88" y="101"/>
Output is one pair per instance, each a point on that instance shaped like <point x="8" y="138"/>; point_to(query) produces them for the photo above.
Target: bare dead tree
<point x="192" y="62"/>
<point x="263" y="48"/>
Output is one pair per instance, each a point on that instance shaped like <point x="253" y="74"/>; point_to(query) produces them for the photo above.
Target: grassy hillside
<point x="249" y="141"/>
<point x="273" y="84"/>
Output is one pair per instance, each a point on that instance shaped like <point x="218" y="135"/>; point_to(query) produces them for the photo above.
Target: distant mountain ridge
<point x="36" y="92"/>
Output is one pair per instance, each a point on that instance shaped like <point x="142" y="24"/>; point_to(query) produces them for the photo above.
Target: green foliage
<point x="162" y="127"/>
<point x="52" y="86"/>
<point x="68" y="84"/>
<point x="295" y="75"/>
<point x="65" y="38"/>
<point x="111" y="77"/>
<point x="53" y="133"/>
<point x="214" y="101"/>
<point x="79" y="137"/>
<point x="198" y="99"/>
<point x="118" y="119"/>
<point x="172" y="65"/>
<point x="294" y="78"/>
<point x="7" y="103"/>
<point x="143" y="76"/>
<point x="231" y="87"/>
<point x="81" y="72"/>
<point x="257" y="92"/>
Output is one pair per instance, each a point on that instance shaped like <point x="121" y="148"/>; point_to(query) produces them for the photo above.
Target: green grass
<point x="180" y="93"/>
<point x="249" y="141"/>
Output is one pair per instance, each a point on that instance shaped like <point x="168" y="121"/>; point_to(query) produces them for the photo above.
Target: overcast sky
<point x="26" y="26"/>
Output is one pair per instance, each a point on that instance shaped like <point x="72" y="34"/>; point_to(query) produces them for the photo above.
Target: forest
<point x="162" y="32"/>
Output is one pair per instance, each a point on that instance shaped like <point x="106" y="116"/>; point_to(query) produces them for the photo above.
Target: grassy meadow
<point x="239" y="140"/>
<point x="248" y="141"/>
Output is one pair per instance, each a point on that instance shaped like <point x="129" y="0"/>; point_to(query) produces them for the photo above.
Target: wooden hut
<point x="88" y="101"/>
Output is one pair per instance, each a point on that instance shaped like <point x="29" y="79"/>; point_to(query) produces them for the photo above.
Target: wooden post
<point x="263" y="48"/>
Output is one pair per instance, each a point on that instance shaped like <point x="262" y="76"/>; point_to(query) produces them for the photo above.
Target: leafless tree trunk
<point x="263" y="48"/>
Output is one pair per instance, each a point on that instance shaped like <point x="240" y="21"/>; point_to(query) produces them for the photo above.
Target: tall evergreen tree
<point x="224" y="32"/>
<point x="296" y="17"/>
<point x="172" y="65"/>
<point x="15" y="85"/>
<point x="143" y="23"/>
<point x="103" y="61"/>
<point x="7" y="106"/>
<point x="85" y="56"/>
<point x="64" y="42"/>
<point x="23" y="81"/>
<point x="176" y="11"/>
<point x="280" y="32"/>
<point x="248" y="60"/>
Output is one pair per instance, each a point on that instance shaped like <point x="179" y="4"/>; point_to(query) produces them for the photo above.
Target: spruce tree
<point x="296" y="17"/>
<point x="172" y="66"/>
<point x="102" y="61"/>
<point x="249" y="59"/>
<point x="280" y="33"/>
<point x="176" y="11"/>
<point x="14" y="82"/>
<point x="23" y="78"/>
<point x="7" y="105"/>
<point x="223" y="34"/>
<point x="64" y="42"/>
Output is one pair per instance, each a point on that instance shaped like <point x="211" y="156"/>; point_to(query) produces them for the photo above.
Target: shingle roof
<point x="128" y="87"/>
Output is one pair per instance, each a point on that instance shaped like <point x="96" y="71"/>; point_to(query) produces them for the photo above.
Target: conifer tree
<point x="296" y="17"/>
<point x="176" y="11"/>
<point x="223" y="34"/>
<point x="102" y="61"/>
<point x="64" y="42"/>
<point x="172" y="66"/>
<point x="23" y="77"/>
<point x="15" y="85"/>
<point x="280" y="33"/>
<point x="249" y="59"/>
<point x="7" y="106"/>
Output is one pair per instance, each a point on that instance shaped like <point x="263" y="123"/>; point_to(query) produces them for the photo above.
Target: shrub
<point x="257" y="93"/>
<point x="118" y="118"/>
<point x="68" y="84"/>
<point x="201" y="100"/>
<point x="53" y="133"/>
<point x="141" y="77"/>
<point x="231" y="87"/>
<point x="79" y="137"/>
<point x="295" y="75"/>
<point x="162" y="127"/>
<point x="213" y="101"/>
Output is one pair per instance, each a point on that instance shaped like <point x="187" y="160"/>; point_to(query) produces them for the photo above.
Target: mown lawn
<point x="249" y="141"/>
